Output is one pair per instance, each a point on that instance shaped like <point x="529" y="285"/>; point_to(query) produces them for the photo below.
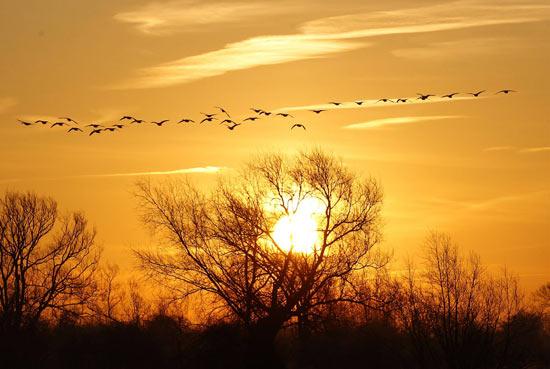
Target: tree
<point x="223" y="243"/>
<point x="47" y="260"/>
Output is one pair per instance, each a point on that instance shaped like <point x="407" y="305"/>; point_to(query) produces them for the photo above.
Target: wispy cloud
<point x="524" y="150"/>
<point x="498" y="148"/>
<point x="6" y="103"/>
<point x="377" y="123"/>
<point x="318" y="38"/>
<point x="188" y="15"/>
<point x="535" y="149"/>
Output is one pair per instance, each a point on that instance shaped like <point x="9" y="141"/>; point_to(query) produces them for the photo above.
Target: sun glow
<point x="298" y="232"/>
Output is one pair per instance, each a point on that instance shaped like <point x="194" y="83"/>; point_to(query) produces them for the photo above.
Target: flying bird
<point x="41" y="121"/>
<point x="98" y="131"/>
<point x="335" y="103"/>
<point x="424" y="97"/>
<point x="257" y="111"/>
<point x="252" y="119"/>
<point x="359" y="102"/>
<point x="185" y="120"/>
<point x="208" y="119"/>
<point x="476" y="94"/>
<point x="209" y="115"/>
<point x="74" y="129"/>
<point x="127" y="117"/>
<point x="267" y="113"/>
<point x="284" y="115"/>
<point x="401" y="100"/>
<point x="138" y="121"/>
<point x="119" y="126"/>
<point x="69" y="120"/>
<point x="94" y="125"/>
<point x="506" y="92"/>
<point x="298" y="125"/>
<point x="223" y="111"/>
<point x="110" y="129"/>
<point x="227" y="121"/>
<point x="232" y="127"/>
<point x="450" y="96"/>
<point x="24" y="122"/>
<point x="160" y="123"/>
<point x="317" y="111"/>
<point x="385" y="100"/>
<point x="61" y="124"/>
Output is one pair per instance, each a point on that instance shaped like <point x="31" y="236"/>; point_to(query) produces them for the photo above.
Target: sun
<point x="299" y="231"/>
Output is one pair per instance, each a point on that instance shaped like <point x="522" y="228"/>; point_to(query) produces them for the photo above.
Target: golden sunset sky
<point x="478" y="168"/>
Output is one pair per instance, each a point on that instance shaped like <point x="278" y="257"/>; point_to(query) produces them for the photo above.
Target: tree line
<point x="260" y="304"/>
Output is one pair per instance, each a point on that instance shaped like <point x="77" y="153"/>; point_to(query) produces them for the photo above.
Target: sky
<point x="477" y="168"/>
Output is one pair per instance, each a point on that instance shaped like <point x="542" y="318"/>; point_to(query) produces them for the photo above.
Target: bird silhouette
<point x="284" y="115"/>
<point x="359" y="102"/>
<point x="25" y="123"/>
<point x="450" y="96"/>
<point x="256" y="110"/>
<point x="209" y="115"/>
<point x="110" y="129"/>
<point x="424" y="97"/>
<point x="69" y="120"/>
<point x="127" y="117"/>
<point x="94" y="125"/>
<point x="227" y="121"/>
<point x="61" y="124"/>
<point x="385" y="100"/>
<point x="95" y="131"/>
<point x="160" y="123"/>
<point x="266" y="113"/>
<point x="298" y="125"/>
<point x="401" y="100"/>
<point x="506" y="92"/>
<point x="223" y="111"/>
<point x="208" y="119"/>
<point x="476" y="94"/>
<point x="185" y="120"/>
<point x="41" y="121"/>
<point x="252" y="119"/>
<point x="74" y="129"/>
<point x="317" y="111"/>
<point x="335" y="103"/>
<point x="232" y="127"/>
<point x="119" y="126"/>
<point x="138" y="121"/>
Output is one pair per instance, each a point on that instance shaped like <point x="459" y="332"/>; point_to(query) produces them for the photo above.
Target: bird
<point x="317" y="111"/>
<point x="267" y="113"/>
<point x="74" y="129"/>
<point x="335" y="103"/>
<point x="185" y="120"/>
<point x="252" y="119"/>
<point x="208" y="119"/>
<point x="94" y="125"/>
<point x="119" y="126"/>
<point x="69" y="120"/>
<point x="385" y="100"/>
<point x="232" y="127"/>
<point x="424" y="97"/>
<point x="401" y="100"/>
<point x="450" y="96"/>
<point x="476" y="94"/>
<point x="110" y="129"/>
<point x="298" y="125"/>
<point x="127" y="117"/>
<point x="160" y="123"/>
<point x="138" y="121"/>
<point x="359" y="102"/>
<point x="61" y="124"/>
<point x="284" y="115"/>
<point x="223" y="111"/>
<point x="256" y="110"/>
<point x="506" y="92"/>
<point x="98" y="131"/>
<point x="42" y="121"/>
<point x="227" y="121"/>
<point x="24" y="122"/>
<point x="209" y="115"/>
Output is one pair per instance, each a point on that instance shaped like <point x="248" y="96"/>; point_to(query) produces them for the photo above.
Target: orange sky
<point x="477" y="168"/>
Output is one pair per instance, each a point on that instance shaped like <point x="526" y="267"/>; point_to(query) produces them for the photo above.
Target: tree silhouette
<point x="47" y="260"/>
<point x="221" y="243"/>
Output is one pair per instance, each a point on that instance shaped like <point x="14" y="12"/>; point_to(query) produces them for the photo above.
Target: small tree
<point x="223" y="243"/>
<point x="47" y="260"/>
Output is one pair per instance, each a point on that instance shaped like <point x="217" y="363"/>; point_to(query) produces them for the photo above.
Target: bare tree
<point x="222" y="242"/>
<point x="47" y="260"/>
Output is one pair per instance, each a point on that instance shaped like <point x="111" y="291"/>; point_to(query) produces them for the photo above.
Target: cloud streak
<point x="318" y="38"/>
<point x="378" y="123"/>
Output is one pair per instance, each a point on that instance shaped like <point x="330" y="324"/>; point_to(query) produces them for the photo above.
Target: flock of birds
<point x="97" y="128"/>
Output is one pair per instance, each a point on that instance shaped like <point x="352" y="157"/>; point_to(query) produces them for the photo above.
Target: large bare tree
<point x="47" y="260"/>
<point x="221" y="242"/>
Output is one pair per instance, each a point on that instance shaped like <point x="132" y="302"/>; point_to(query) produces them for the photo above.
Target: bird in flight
<point x="450" y="96"/>
<point x="266" y="113"/>
<point x="476" y="94"/>
<point x="61" y="124"/>
<point x="335" y="103"/>
<point x="223" y="111"/>
<point x="138" y="121"/>
<point x="227" y="121"/>
<point x="298" y="125"/>
<point x="385" y="100"/>
<point x="252" y="119"/>
<point x="185" y="120"/>
<point x="94" y="125"/>
<point x="160" y="123"/>
<point x="98" y="131"/>
<point x="24" y="122"/>
<point x="232" y="127"/>
<point x="41" y="121"/>
<point x="127" y="117"/>
<point x="401" y="100"/>
<point x="69" y="120"/>
<point x="208" y="119"/>
<point x="317" y="111"/>
<point x="74" y="129"/>
<point x="110" y="129"/>
<point x="256" y="110"/>
<point x="284" y="115"/>
<point x="359" y="102"/>
<point x="506" y="92"/>
<point x="119" y="126"/>
<point x="209" y="115"/>
<point x="424" y="97"/>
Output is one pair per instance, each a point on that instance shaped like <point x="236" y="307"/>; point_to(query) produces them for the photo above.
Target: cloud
<point x="6" y="103"/>
<point x="525" y="150"/>
<point x="535" y="149"/>
<point x="377" y="123"/>
<point x="318" y="38"/>
<point x="498" y="148"/>
<point x="186" y="15"/>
